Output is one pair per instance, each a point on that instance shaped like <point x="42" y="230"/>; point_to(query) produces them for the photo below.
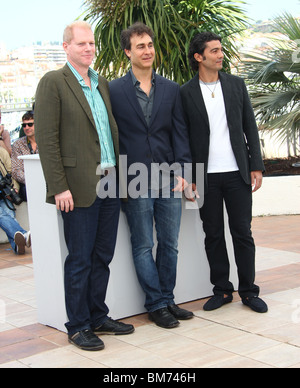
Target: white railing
<point x="16" y="107"/>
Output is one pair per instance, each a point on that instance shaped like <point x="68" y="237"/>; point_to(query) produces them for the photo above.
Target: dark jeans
<point x="90" y="235"/>
<point x="237" y="195"/>
<point x="157" y="276"/>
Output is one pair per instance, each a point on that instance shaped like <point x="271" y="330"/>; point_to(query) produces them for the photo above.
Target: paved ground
<point x="233" y="336"/>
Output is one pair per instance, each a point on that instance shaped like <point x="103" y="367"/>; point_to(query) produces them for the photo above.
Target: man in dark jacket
<point x="224" y="137"/>
<point x="152" y="130"/>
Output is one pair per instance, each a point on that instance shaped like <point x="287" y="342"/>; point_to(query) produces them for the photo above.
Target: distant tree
<point x="174" y="24"/>
<point x="274" y="81"/>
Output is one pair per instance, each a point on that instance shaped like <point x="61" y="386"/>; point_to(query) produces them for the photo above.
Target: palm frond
<point x="174" y="24"/>
<point x="274" y="82"/>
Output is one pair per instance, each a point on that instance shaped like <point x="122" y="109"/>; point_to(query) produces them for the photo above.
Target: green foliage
<point x="174" y="24"/>
<point x="274" y="81"/>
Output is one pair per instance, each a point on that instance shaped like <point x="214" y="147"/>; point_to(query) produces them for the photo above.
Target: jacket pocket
<point x="69" y="161"/>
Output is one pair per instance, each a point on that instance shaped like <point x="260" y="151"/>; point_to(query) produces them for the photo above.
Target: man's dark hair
<point x="136" y="29"/>
<point x="198" y="45"/>
<point x="28" y="116"/>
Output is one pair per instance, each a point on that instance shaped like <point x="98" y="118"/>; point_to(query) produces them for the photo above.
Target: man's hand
<point x="64" y="201"/>
<point x="190" y="190"/>
<point x="191" y="193"/>
<point x="181" y="185"/>
<point x="256" y="180"/>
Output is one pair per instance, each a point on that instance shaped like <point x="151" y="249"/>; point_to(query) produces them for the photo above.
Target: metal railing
<point x="15" y="107"/>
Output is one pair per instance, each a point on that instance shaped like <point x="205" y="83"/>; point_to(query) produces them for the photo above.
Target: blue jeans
<point x="90" y="235"/>
<point x="9" y="223"/>
<point x="156" y="277"/>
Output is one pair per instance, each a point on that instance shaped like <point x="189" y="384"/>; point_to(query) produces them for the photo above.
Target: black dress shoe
<point x="114" y="328"/>
<point x="216" y="302"/>
<point x="163" y="318"/>
<point x="86" y="340"/>
<point x="179" y="313"/>
<point x="256" y="304"/>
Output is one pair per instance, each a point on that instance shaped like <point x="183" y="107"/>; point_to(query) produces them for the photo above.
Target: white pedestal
<point x="124" y="295"/>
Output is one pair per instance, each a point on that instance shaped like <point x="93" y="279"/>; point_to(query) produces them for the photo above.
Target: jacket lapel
<point x="197" y="98"/>
<point x="102" y="91"/>
<point x="158" y="96"/>
<point x="227" y="93"/>
<point x="129" y="91"/>
<point x="78" y="92"/>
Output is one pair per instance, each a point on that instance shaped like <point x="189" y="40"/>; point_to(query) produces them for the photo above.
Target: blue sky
<point x="25" y="22"/>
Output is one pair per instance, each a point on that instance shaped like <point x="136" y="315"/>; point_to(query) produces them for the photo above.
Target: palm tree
<point x="274" y="81"/>
<point x="174" y="24"/>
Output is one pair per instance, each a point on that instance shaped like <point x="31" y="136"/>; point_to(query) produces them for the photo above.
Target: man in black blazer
<point x="152" y="132"/>
<point x="224" y="137"/>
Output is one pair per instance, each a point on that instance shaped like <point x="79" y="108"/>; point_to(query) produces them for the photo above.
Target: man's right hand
<point x="64" y="201"/>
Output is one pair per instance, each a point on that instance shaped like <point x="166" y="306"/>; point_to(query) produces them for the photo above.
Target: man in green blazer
<point x="78" y="141"/>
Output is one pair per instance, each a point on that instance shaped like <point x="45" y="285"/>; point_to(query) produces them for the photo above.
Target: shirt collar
<point x="92" y="74"/>
<point x="136" y="82"/>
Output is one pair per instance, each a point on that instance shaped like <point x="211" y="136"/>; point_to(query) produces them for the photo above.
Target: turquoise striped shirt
<point x="99" y="111"/>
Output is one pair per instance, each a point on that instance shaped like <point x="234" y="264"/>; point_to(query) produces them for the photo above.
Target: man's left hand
<point x="256" y="180"/>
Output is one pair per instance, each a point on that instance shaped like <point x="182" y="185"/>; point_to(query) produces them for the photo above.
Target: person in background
<point x="21" y="129"/>
<point x="224" y="137"/>
<point x="5" y="141"/>
<point x="17" y="236"/>
<point x="24" y="146"/>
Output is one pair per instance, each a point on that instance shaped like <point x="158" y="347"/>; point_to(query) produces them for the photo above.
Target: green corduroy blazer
<point x="67" y="137"/>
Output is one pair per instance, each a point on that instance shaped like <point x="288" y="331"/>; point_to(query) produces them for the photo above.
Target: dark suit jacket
<point x="241" y="121"/>
<point x="165" y="139"/>
<point x="67" y="137"/>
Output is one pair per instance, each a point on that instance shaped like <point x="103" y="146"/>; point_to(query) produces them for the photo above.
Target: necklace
<point x="212" y="91"/>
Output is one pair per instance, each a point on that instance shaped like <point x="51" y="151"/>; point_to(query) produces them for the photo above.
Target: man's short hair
<point x="198" y="45"/>
<point x="28" y="116"/>
<point x="68" y="32"/>
<point x="136" y="29"/>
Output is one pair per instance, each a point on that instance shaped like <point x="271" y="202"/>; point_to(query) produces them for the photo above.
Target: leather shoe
<point x="86" y="340"/>
<point x="256" y="304"/>
<point x="216" y="302"/>
<point x="163" y="318"/>
<point x="180" y="313"/>
<point x="114" y="328"/>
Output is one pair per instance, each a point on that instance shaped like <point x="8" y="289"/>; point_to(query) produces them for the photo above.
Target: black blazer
<point x="241" y="121"/>
<point x="166" y="138"/>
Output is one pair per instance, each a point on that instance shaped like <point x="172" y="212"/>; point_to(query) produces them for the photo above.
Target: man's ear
<point x="65" y="46"/>
<point x="128" y="53"/>
<point x="198" y="57"/>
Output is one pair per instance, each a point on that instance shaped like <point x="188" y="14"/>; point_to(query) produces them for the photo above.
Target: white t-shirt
<point x="221" y="156"/>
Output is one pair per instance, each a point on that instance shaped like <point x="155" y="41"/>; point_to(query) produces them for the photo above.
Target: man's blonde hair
<point x="68" y="32"/>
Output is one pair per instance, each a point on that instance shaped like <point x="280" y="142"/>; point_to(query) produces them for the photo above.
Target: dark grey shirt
<point x="145" y="102"/>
